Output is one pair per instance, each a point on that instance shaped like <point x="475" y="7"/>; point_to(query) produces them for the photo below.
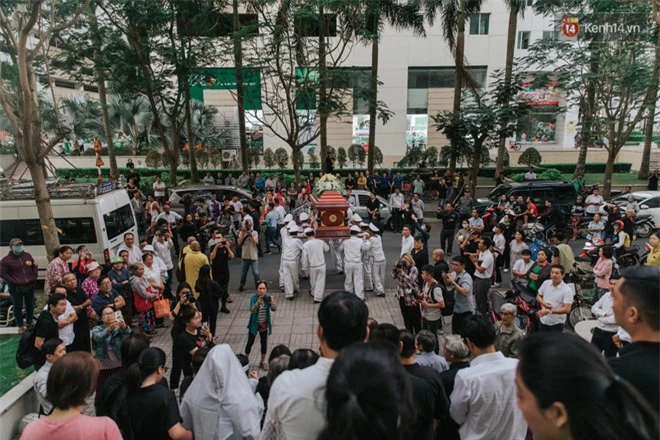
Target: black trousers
<point x="175" y="372"/>
<point x="433" y="327"/>
<point x="263" y="336"/>
<point x="557" y="328"/>
<point x="396" y="219"/>
<point x="603" y="340"/>
<point x="412" y="317"/>
<point x="481" y="287"/>
<point x="210" y="315"/>
<point x="457" y="321"/>
<point x="447" y="240"/>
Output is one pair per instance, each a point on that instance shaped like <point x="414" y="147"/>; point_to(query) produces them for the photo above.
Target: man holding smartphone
<point x="221" y="253"/>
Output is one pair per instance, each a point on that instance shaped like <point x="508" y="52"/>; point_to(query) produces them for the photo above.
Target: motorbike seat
<point x="631" y="250"/>
<point x="585" y="258"/>
<point x="527" y="295"/>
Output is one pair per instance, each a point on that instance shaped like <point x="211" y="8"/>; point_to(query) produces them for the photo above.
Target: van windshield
<point x="495" y="195"/>
<point x="119" y="221"/>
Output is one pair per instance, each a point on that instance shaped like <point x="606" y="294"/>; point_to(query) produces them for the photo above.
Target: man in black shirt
<point x="373" y="206"/>
<point x="635" y="305"/>
<point x="80" y="301"/>
<point x="450" y="219"/>
<point x="47" y="326"/>
<point x="221" y="253"/>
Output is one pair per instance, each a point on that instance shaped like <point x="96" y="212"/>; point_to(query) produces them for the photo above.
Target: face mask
<point x="18" y="249"/>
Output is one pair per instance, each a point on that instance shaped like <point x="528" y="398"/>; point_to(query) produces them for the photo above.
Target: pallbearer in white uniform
<point x="352" y="249"/>
<point x="378" y="262"/>
<point x="291" y="250"/>
<point x="284" y="235"/>
<point x="366" y="259"/>
<point x="313" y="263"/>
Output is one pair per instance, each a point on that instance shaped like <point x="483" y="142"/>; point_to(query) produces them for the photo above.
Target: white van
<point x="85" y="214"/>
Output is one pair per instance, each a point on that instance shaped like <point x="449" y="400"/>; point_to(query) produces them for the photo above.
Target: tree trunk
<point x="587" y="117"/>
<point x="609" y="170"/>
<point x="321" y="107"/>
<point x="373" y="101"/>
<point x="643" y="173"/>
<point x="458" y="86"/>
<point x="44" y="208"/>
<point x="173" y="156"/>
<point x="508" y="72"/>
<point x="240" y="98"/>
<point x="194" y="174"/>
<point x="474" y="169"/>
<point x="294" y="159"/>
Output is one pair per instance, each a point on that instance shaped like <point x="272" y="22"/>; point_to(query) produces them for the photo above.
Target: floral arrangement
<point x="328" y="182"/>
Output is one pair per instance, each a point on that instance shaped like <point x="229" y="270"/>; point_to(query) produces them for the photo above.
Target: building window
<point x="479" y="24"/>
<point x="90" y="88"/>
<point x="550" y="35"/>
<point x="215" y="24"/>
<point x="65" y="84"/>
<point x="523" y="39"/>
<point x="308" y="26"/>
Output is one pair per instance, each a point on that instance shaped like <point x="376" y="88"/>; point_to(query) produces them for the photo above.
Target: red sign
<point x="570" y="27"/>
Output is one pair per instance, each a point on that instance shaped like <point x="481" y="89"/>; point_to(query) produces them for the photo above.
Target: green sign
<point x="224" y="78"/>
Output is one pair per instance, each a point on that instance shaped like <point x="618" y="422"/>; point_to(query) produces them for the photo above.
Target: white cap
<point x="148" y="248"/>
<point x="294" y="228"/>
<point x="303" y="216"/>
<point x="355" y="228"/>
<point x="373" y="227"/>
<point x="291" y="224"/>
<point x="356" y="218"/>
<point x="309" y="231"/>
<point x="92" y="266"/>
<point x="364" y="225"/>
<point x="288" y="218"/>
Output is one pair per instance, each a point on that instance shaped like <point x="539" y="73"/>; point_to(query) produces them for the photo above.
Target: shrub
<point x="153" y="159"/>
<point x="342" y="157"/>
<point x="269" y="158"/>
<point x="431" y="156"/>
<point x="530" y="156"/>
<point x="281" y="158"/>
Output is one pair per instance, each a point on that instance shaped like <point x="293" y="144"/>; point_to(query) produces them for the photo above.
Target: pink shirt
<point x="603" y="271"/>
<point x="80" y="427"/>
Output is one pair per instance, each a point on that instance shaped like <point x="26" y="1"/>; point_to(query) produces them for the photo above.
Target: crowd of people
<point x="368" y="379"/>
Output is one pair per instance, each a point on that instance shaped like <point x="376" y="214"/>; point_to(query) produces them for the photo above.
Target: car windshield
<point x="624" y="199"/>
<point x="496" y="194"/>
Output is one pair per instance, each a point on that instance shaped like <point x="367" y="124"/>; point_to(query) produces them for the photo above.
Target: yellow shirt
<point x="653" y="258"/>
<point x="194" y="260"/>
<point x="362" y="181"/>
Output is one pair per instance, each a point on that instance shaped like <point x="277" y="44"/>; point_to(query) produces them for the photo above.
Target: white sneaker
<point x="496" y="284"/>
<point x="506" y="270"/>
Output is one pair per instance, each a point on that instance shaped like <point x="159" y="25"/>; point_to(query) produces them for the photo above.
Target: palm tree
<point x="79" y="117"/>
<point x="515" y="7"/>
<point x="133" y="119"/>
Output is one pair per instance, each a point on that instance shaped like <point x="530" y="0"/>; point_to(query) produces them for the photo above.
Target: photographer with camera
<point x="407" y="292"/>
<point x="221" y="253"/>
<point x="261" y="304"/>
<point x="248" y="240"/>
<point x="184" y="298"/>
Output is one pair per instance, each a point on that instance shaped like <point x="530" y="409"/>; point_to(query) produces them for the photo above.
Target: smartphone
<point x="205" y="325"/>
<point x="118" y="316"/>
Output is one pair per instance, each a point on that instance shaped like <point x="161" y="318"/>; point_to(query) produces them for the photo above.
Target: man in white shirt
<point x="313" y="263"/>
<point x="291" y="250"/>
<point x="417" y="206"/>
<point x="407" y="240"/>
<point x="134" y="252"/>
<point x="475" y="222"/>
<point x="396" y="203"/>
<point x="53" y="349"/>
<point x="208" y="179"/>
<point x="522" y="267"/>
<point x="484" y="263"/>
<point x="173" y="219"/>
<point x="530" y="175"/>
<point x="378" y="261"/>
<point x="296" y="404"/>
<point x="483" y="402"/>
<point x="593" y="202"/>
<point x="556" y="300"/>
<point x="281" y="214"/>
<point x="352" y="249"/>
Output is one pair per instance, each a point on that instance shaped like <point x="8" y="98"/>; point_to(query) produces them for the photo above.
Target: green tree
<point x="281" y="158"/>
<point x="25" y="58"/>
<point x="342" y="157"/>
<point x="530" y="157"/>
<point x="269" y="158"/>
<point x="153" y="159"/>
<point x="431" y="156"/>
<point x="354" y="154"/>
<point x="313" y="158"/>
<point x="215" y="158"/>
<point x="378" y="156"/>
<point x="132" y="119"/>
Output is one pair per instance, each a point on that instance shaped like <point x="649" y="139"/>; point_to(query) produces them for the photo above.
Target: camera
<point x="190" y="297"/>
<point x="223" y="242"/>
<point x="399" y="265"/>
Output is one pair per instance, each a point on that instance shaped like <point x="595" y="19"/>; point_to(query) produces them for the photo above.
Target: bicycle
<point x="581" y="308"/>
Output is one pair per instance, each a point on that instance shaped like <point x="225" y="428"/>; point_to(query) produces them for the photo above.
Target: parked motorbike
<point x="644" y="225"/>
<point x="526" y="315"/>
<point x="581" y="308"/>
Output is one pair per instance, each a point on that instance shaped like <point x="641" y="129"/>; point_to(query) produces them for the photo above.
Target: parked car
<point x="648" y="202"/>
<point x="205" y="191"/>
<point x="362" y="197"/>
<point x="562" y="194"/>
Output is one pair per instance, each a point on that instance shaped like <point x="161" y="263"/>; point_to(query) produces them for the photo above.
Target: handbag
<point x="161" y="307"/>
<point x="141" y="304"/>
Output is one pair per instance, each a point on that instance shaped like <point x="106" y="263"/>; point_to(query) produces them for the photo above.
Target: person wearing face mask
<point x="19" y="269"/>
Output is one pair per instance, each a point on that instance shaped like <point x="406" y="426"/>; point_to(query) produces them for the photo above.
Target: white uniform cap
<point x="304" y="216"/>
<point x="364" y="225"/>
<point x="294" y="229"/>
<point x="373" y="227"/>
<point x="291" y="224"/>
<point x="148" y="248"/>
<point x="288" y="218"/>
<point x="356" y="218"/>
<point x="355" y="228"/>
<point x="309" y="231"/>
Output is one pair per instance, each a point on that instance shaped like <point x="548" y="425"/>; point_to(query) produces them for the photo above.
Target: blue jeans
<point x="20" y="294"/>
<point x="270" y="238"/>
<point x="245" y="265"/>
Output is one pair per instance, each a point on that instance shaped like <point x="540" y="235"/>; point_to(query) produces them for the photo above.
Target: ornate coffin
<point x="331" y="207"/>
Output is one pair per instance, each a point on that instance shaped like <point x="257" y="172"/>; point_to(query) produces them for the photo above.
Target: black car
<point x="562" y="194"/>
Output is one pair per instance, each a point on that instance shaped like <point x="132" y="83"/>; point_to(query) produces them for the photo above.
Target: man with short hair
<point x="19" y="269"/>
<point x="636" y="310"/>
<point x="418" y="185"/>
<point x="396" y="203"/>
<point x="137" y="202"/>
<point x="427" y="345"/>
<point x="483" y="264"/>
<point x="248" y="241"/>
<point x="490" y="378"/>
<point x="173" y="219"/>
<point x="66" y="320"/>
<point x="52" y="350"/>
<point x="562" y="254"/>
<point x="556" y="299"/>
<point x="465" y="204"/>
<point x="297" y="402"/>
<point x="475" y="222"/>
<point x="291" y="251"/>
<point x="460" y="283"/>
<point x="432" y="302"/>
<point x="81" y="305"/>
<point x="134" y="252"/>
<point x="352" y="249"/>
<point x="407" y="240"/>
<point x="417" y="205"/>
<point x="313" y="263"/>
<point x="194" y="260"/>
<point x="439" y="263"/>
<point x="450" y="219"/>
<point x="593" y="202"/>
<point x="521" y="268"/>
<point x="47" y="325"/>
<point x="271" y="228"/>
<point x="530" y="175"/>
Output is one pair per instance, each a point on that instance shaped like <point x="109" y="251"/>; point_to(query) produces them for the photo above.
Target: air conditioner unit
<point x="229" y="155"/>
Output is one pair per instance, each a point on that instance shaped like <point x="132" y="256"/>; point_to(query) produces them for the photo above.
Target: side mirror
<point x="644" y="207"/>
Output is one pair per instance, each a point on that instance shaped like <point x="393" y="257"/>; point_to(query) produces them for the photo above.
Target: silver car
<point x="362" y="198"/>
<point x="205" y="191"/>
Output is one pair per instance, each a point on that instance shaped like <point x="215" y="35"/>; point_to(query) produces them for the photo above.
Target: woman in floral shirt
<point x="407" y="290"/>
<point x="57" y="268"/>
<point x="90" y="286"/>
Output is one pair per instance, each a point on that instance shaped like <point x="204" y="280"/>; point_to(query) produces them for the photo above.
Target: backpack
<point x="627" y="242"/>
<point x="25" y="349"/>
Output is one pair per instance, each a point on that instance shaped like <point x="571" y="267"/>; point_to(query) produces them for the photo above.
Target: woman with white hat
<point x="90" y="286"/>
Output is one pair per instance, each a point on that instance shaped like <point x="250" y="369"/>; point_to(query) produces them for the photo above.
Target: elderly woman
<point x="153" y="272"/>
<point x="57" y="268"/>
<point x="457" y="354"/>
<point x="144" y="296"/>
<point x="107" y="338"/>
<point x="407" y="291"/>
<point x="90" y="285"/>
<point x="507" y="334"/>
